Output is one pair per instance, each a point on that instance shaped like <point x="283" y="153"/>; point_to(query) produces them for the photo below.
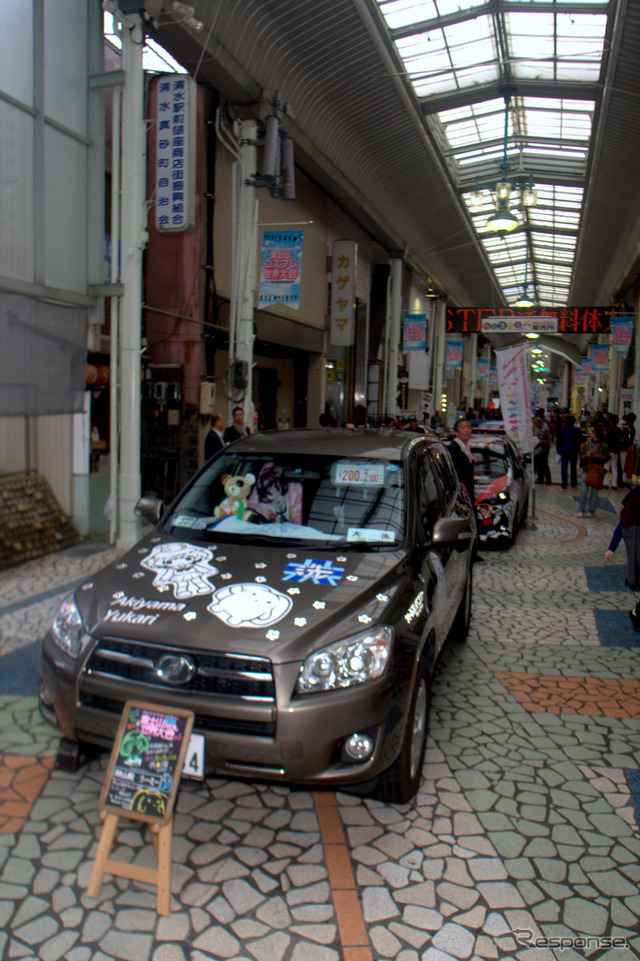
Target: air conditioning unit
<point x="207" y="398"/>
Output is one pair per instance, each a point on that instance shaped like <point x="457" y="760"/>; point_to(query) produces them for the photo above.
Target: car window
<point x="489" y="462"/>
<point x="445" y="476"/>
<point x="336" y="500"/>
<point x="430" y="500"/>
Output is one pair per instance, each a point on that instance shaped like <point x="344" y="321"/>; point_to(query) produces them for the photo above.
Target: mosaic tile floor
<point x="522" y="843"/>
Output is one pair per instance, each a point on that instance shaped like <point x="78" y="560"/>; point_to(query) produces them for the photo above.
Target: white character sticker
<point x="249" y="605"/>
<point x="184" y="567"/>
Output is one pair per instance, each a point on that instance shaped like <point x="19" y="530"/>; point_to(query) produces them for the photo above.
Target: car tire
<point x="460" y="627"/>
<point x="400" y="782"/>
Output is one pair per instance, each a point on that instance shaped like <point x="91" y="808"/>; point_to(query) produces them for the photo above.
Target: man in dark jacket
<point x="568" y="445"/>
<point x="237" y="429"/>
<point x="463" y="462"/>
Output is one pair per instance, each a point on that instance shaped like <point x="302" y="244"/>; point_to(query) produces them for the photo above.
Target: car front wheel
<point x="399" y="783"/>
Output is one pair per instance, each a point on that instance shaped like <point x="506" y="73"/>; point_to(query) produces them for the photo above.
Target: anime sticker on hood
<point x="249" y="605"/>
<point x="184" y="567"/>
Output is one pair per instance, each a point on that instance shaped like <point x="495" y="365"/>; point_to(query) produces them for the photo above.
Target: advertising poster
<point x="600" y="357"/>
<point x="515" y="395"/>
<point x="622" y="334"/>
<point x="482" y="369"/>
<point x="414" y="332"/>
<point x="453" y="355"/>
<point x="280" y="268"/>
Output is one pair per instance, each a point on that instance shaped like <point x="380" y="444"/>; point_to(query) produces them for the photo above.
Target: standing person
<point x="214" y="441"/>
<point x="541" y="450"/>
<point x="613" y="437"/>
<point x="413" y="425"/>
<point x="463" y="462"/>
<point x="568" y="445"/>
<point x="593" y="453"/>
<point x="237" y="429"/>
<point x="628" y="529"/>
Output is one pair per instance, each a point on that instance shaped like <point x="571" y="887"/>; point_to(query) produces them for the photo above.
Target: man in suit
<point x="237" y="429"/>
<point x="214" y="440"/>
<point x="463" y="463"/>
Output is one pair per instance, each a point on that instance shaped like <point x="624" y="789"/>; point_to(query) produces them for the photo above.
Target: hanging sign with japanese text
<point x="515" y="396"/>
<point x="453" y="354"/>
<point x="599" y="357"/>
<point x="622" y="334"/>
<point x="175" y="152"/>
<point x="482" y="369"/>
<point x="343" y="293"/>
<point x="280" y="268"/>
<point x="414" y="332"/>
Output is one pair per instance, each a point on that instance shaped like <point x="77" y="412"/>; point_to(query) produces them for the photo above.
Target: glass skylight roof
<point x="523" y="50"/>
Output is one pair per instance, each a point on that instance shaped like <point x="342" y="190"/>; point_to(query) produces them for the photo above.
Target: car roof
<point x="485" y="440"/>
<point x="347" y="442"/>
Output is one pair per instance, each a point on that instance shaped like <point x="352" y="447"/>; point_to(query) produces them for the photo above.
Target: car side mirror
<point x="453" y="532"/>
<point x="149" y="508"/>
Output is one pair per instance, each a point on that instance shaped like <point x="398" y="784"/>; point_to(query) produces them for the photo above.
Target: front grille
<point x="201" y="723"/>
<point x="227" y="675"/>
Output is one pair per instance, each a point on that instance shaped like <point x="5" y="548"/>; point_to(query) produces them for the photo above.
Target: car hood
<point x="269" y="601"/>
<point x="489" y="488"/>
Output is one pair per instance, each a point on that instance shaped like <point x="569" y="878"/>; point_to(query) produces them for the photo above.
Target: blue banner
<point x="414" y="332"/>
<point x="453" y="356"/>
<point x="280" y="268"/>
<point x="622" y="334"/>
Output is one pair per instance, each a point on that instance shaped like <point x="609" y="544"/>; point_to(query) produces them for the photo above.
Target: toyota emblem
<point x="175" y="669"/>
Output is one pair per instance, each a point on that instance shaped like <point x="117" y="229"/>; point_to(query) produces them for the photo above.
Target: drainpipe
<point x="394" y="308"/>
<point x="134" y="239"/>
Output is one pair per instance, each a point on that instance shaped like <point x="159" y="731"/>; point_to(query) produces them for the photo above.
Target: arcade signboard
<point x="561" y="320"/>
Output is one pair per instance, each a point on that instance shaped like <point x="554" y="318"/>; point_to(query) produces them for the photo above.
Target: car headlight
<point x="67" y="628"/>
<point x="496" y="499"/>
<point x="346" y="663"/>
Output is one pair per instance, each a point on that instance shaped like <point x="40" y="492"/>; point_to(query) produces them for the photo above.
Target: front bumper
<point x="298" y="739"/>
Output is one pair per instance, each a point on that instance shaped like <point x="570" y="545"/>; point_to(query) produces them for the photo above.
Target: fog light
<point x="359" y="747"/>
<point x="46" y="697"/>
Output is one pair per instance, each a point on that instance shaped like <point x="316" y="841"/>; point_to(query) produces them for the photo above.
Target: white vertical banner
<point x="342" y="329"/>
<point x="515" y="395"/>
<point x="175" y="152"/>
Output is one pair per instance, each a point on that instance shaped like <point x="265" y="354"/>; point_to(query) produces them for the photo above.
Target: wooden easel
<point x="119" y="800"/>
<point x="162" y="837"/>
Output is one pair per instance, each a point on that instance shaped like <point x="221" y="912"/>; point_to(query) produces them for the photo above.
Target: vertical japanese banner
<point x="600" y="357"/>
<point x="587" y="368"/>
<point x="280" y="268"/>
<point x="414" y="332"/>
<point x="622" y="334"/>
<point x="175" y="153"/>
<point x="515" y="397"/>
<point x="482" y="369"/>
<point x="453" y="355"/>
<point x="342" y="330"/>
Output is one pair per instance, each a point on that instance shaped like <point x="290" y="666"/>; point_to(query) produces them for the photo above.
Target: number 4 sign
<point x="194" y="758"/>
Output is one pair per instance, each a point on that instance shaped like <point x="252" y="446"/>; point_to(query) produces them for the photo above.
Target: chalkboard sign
<point x="146" y="762"/>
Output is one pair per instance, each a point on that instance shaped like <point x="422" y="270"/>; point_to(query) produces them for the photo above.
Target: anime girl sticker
<point x="183" y="567"/>
<point x="249" y="605"/>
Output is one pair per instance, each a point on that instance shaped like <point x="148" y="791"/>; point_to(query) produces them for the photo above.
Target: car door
<point x="443" y="569"/>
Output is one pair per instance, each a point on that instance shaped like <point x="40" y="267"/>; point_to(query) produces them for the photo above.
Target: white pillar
<point x="473" y="370"/>
<point x="394" y="310"/>
<point x="439" y="318"/>
<point x="246" y="257"/>
<point x="134" y="239"/>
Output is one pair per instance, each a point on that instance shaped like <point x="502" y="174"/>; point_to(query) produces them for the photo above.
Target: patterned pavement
<point x="523" y="842"/>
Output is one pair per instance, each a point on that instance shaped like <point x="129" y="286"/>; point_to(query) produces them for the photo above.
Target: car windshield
<point x="332" y="501"/>
<point x="489" y="463"/>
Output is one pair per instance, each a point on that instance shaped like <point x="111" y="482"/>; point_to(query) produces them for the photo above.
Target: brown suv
<point x="295" y="596"/>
